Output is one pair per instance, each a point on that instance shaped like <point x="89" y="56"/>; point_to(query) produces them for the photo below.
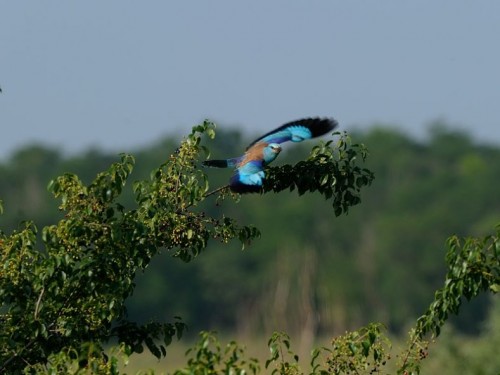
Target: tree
<point x="63" y="299"/>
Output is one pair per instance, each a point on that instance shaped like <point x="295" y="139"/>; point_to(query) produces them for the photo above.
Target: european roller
<point x="249" y="169"/>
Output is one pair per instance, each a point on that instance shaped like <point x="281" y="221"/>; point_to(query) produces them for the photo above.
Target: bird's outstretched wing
<point x="297" y="131"/>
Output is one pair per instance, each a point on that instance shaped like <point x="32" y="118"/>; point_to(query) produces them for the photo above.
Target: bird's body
<point x="249" y="175"/>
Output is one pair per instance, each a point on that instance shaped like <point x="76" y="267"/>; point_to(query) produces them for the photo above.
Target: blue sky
<point x="121" y="74"/>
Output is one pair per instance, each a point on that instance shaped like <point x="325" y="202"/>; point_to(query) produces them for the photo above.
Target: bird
<point x="249" y="172"/>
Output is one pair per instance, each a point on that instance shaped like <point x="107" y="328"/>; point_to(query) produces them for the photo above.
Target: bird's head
<point x="275" y="147"/>
<point x="271" y="151"/>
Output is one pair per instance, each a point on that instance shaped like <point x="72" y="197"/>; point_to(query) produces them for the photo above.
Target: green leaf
<point x="366" y="348"/>
<point x="352" y="348"/>
<point x="495" y="288"/>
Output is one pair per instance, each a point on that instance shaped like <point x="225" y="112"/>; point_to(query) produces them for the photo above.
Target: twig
<point x="413" y="343"/>
<point x="216" y="191"/>
<point x="179" y="211"/>
<point x="37" y="306"/>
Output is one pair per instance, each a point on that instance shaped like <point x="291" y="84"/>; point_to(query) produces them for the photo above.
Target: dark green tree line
<point x="444" y="184"/>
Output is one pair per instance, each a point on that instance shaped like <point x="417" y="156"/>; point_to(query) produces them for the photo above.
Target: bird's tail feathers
<point x="226" y="163"/>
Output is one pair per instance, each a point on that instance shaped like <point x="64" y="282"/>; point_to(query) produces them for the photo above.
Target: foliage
<point x="284" y="359"/>
<point x="208" y="358"/>
<point x="473" y="268"/>
<point x="364" y="350"/>
<point x="464" y="354"/>
<point x="63" y="299"/>
<point x="87" y="359"/>
<point x="332" y="171"/>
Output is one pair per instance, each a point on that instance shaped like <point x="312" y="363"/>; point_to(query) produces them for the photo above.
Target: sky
<point x="120" y="74"/>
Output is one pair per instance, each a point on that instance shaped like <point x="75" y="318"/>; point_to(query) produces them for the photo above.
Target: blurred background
<point x="417" y="82"/>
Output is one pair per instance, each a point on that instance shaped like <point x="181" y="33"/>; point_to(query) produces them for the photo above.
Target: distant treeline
<point x="310" y="271"/>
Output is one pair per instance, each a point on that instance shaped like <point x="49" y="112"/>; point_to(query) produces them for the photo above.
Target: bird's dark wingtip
<point x="319" y="126"/>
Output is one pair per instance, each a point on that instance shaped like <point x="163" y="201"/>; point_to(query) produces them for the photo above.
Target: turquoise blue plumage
<point x="249" y="168"/>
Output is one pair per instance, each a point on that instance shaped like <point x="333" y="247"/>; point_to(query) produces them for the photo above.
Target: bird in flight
<point x="249" y="168"/>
